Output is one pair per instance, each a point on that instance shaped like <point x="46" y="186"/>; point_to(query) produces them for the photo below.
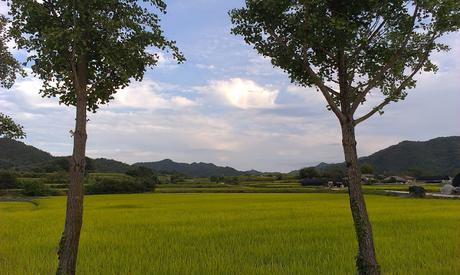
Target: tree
<point x="84" y="52"/>
<point x="9" y="67"/>
<point x="456" y="180"/>
<point x="347" y="50"/>
<point x="9" y="129"/>
<point x="308" y="172"/>
<point x="8" y="180"/>
<point x="367" y="169"/>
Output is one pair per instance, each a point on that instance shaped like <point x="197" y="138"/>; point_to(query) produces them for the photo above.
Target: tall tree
<point x="84" y="52"/>
<point x="347" y="50"/>
<point x="9" y="67"/>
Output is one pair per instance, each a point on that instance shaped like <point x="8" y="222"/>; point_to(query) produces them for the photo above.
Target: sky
<point x="227" y="105"/>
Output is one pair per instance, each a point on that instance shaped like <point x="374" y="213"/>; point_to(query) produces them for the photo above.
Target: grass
<point x="231" y="234"/>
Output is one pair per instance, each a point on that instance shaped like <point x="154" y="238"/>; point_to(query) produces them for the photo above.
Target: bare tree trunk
<point x="366" y="261"/>
<point x="68" y="246"/>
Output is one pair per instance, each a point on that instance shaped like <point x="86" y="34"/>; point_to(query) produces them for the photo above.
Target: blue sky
<point x="229" y="106"/>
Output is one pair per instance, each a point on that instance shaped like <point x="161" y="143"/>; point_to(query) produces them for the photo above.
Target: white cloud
<point x="241" y="93"/>
<point x="149" y="94"/>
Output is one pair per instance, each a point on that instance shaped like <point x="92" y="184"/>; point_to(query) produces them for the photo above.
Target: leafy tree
<point x="8" y="180"/>
<point x="347" y="50"/>
<point x="456" y="180"/>
<point x="84" y="52"/>
<point x="9" y="129"/>
<point x="334" y="173"/>
<point x="367" y="169"/>
<point x="9" y="67"/>
<point x="308" y="173"/>
<point x="140" y="171"/>
<point x="36" y="188"/>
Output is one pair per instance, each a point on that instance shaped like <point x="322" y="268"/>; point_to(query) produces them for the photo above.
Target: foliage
<point x="335" y="173"/>
<point x="57" y="177"/>
<point x="140" y="172"/>
<point x="438" y="156"/>
<point x="9" y="67"/>
<point x="9" y="129"/>
<point x="456" y="180"/>
<point x="196" y="169"/>
<point x="114" y="186"/>
<point x="360" y="46"/>
<point x="109" y="39"/>
<point x="36" y="188"/>
<point x="367" y="168"/>
<point x="417" y="191"/>
<point x="173" y="233"/>
<point x="308" y="172"/>
<point x="8" y="180"/>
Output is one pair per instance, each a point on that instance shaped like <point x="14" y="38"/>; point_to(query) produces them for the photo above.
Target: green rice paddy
<point x="231" y="234"/>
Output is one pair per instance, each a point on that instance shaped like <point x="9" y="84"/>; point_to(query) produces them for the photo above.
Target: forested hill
<point x="439" y="156"/>
<point x="195" y="169"/>
<point x="15" y="153"/>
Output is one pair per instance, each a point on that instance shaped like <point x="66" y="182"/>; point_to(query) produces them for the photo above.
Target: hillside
<point x="439" y="156"/>
<point x="110" y="166"/>
<point x="15" y="153"/>
<point x="195" y="169"/>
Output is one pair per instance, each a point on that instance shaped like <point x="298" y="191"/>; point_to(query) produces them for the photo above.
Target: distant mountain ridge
<point x="195" y="169"/>
<point x="17" y="155"/>
<point x="438" y="156"/>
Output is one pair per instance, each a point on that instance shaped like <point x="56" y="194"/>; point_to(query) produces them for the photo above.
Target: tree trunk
<point x="68" y="246"/>
<point x="366" y="261"/>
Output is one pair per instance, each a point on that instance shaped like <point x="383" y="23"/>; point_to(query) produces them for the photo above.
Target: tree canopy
<point x="9" y="67"/>
<point x="357" y="47"/>
<point x="113" y="40"/>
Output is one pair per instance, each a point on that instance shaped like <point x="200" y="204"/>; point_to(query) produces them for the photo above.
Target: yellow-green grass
<point x="232" y="234"/>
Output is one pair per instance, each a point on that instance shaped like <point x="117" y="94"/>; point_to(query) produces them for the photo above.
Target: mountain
<point x="438" y="156"/>
<point x="195" y="169"/>
<point x="15" y="153"/>
<point x="104" y="165"/>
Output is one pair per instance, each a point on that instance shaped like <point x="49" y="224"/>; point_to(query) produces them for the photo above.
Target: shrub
<point x="8" y="181"/>
<point x="308" y="173"/>
<point x="417" y="191"/>
<point x="37" y="188"/>
<point x="125" y="186"/>
<point x="456" y="181"/>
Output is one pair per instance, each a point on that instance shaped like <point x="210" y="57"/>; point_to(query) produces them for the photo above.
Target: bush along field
<point x="231" y="234"/>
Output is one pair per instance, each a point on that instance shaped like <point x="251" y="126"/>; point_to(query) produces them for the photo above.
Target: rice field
<point x="231" y="234"/>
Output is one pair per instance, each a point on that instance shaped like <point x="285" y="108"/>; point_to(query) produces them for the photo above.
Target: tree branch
<point x="397" y="92"/>
<point x="374" y="82"/>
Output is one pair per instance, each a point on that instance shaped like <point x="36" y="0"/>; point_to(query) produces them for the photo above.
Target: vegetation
<point x="360" y="47"/>
<point x="438" y="156"/>
<point x="34" y="189"/>
<point x="8" y="180"/>
<point x="367" y="169"/>
<point x="231" y="234"/>
<point x="308" y="172"/>
<point x="84" y="52"/>
<point x="456" y="180"/>
<point x="9" y="67"/>
<point x="196" y="169"/>
<point x="114" y="186"/>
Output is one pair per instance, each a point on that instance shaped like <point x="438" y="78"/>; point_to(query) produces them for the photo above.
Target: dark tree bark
<point x="68" y="246"/>
<point x="366" y="260"/>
